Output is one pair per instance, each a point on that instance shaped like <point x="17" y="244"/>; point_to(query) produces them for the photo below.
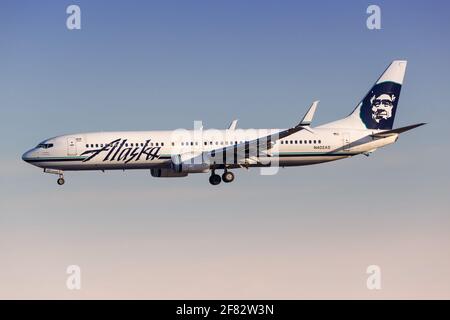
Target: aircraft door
<point x="346" y="141"/>
<point x="71" y="146"/>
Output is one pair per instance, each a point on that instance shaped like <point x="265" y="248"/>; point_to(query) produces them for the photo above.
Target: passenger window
<point x="320" y="141"/>
<point x="315" y="141"/>
<point x="162" y="144"/>
<point x="87" y="146"/>
<point x="157" y="144"/>
<point x="310" y="141"/>
<point x="300" y="141"/>
<point x="281" y="141"/>
<point x="96" y="145"/>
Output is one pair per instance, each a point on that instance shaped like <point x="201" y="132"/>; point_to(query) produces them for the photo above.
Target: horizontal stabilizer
<point x="396" y="131"/>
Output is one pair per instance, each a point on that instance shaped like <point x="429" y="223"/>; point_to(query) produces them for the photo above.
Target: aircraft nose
<point x="27" y="156"/>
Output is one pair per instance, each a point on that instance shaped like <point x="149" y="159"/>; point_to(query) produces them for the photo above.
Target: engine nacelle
<point x="191" y="162"/>
<point x="167" y="173"/>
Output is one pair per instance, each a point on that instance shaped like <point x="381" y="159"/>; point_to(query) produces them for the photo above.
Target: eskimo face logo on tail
<point x="118" y="150"/>
<point x="379" y="105"/>
<point x="382" y="106"/>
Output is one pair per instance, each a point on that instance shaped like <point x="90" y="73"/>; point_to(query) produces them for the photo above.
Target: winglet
<point x="308" y="117"/>
<point x="233" y="125"/>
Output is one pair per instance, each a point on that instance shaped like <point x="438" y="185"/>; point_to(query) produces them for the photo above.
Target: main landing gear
<point x="215" y="179"/>
<point x="228" y="176"/>
<point x="60" y="180"/>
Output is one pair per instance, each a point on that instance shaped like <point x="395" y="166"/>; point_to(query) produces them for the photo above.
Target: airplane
<point x="178" y="153"/>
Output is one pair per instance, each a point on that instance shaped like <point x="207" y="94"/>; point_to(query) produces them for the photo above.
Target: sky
<point x="304" y="233"/>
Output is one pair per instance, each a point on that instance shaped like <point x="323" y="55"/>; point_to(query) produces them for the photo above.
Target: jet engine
<point x="167" y="173"/>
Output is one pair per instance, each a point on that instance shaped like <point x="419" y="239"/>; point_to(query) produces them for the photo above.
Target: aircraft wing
<point x="257" y="147"/>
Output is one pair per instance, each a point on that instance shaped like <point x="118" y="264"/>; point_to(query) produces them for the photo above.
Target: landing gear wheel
<point x="214" y="179"/>
<point x="228" y="176"/>
<point x="60" y="181"/>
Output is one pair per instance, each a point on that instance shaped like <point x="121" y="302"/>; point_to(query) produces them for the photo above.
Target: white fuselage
<point x="154" y="149"/>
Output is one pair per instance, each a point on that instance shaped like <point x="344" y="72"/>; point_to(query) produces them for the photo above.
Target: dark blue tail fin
<point x="377" y="109"/>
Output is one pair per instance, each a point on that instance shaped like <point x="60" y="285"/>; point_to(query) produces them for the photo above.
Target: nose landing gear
<point x="60" y="181"/>
<point x="60" y="173"/>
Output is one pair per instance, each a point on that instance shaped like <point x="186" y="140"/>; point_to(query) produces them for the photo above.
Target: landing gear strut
<point x="214" y="179"/>
<point x="60" y="180"/>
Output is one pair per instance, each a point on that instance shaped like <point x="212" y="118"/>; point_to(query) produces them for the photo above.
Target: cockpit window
<point x="44" y="145"/>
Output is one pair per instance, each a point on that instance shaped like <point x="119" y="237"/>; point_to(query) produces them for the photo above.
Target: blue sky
<point x="144" y="65"/>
